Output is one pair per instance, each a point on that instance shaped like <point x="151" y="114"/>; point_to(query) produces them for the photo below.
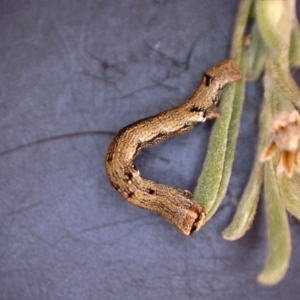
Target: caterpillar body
<point x="175" y="205"/>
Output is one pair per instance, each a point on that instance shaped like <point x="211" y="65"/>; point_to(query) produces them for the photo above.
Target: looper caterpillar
<point x="175" y="205"/>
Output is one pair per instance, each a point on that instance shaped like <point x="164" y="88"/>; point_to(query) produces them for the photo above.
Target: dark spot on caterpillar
<point x="155" y="138"/>
<point x="207" y="79"/>
<point x="196" y="109"/>
<point x="115" y="186"/>
<point x="130" y="194"/>
<point x="159" y="135"/>
<point x="129" y="175"/>
<point x="151" y="192"/>
<point x="110" y="157"/>
<point x="138" y="146"/>
<point x="187" y="194"/>
<point x="215" y="100"/>
<point x="137" y="149"/>
<point x="195" y="224"/>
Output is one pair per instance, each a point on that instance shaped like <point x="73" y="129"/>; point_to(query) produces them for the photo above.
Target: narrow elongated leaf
<point x="294" y="54"/>
<point x="256" y="55"/>
<point x="290" y="188"/>
<point x="278" y="231"/>
<point x="274" y="24"/>
<point x="247" y="206"/>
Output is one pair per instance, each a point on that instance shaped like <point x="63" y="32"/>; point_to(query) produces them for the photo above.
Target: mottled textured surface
<point x="175" y="205"/>
<point x="72" y="73"/>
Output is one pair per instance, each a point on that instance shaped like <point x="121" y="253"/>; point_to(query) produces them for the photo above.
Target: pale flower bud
<point x="285" y="136"/>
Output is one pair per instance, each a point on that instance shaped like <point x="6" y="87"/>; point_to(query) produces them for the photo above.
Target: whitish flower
<point x="285" y="136"/>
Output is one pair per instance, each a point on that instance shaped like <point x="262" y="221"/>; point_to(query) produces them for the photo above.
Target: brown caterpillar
<point x="175" y="205"/>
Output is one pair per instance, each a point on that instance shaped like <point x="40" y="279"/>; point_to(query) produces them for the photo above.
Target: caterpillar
<point x="176" y="206"/>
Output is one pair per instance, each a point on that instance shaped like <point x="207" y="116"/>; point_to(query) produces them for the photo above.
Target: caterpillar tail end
<point x="194" y="220"/>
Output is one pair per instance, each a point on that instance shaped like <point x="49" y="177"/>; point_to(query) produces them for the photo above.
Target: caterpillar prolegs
<point x="175" y="205"/>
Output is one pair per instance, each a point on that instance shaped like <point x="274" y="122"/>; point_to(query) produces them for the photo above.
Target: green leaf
<point x="294" y="54"/>
<point x="290" y="188"/>
<point x="247" y="206"/>
<point x="256" y="55"/>
<point x="214" y="178"/>
<point x="278" y="231"/>
<point x="273" y="20"/>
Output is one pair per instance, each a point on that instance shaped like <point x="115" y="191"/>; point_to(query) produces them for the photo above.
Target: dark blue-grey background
<point x="72" y="73"/>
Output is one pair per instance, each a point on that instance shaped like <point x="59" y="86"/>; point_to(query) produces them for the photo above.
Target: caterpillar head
<point x="213" y="83"/>
<point x="225" y="72"/>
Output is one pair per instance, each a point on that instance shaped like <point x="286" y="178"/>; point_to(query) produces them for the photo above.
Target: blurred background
<point x="72" y="73"/>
